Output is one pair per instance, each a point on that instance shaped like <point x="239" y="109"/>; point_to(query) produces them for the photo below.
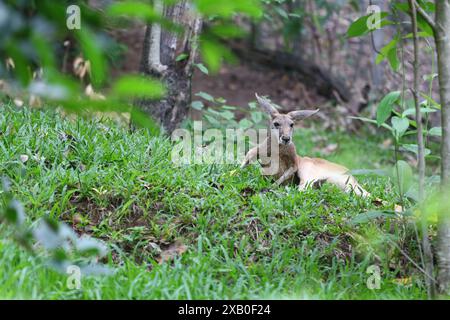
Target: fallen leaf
<point x="175" y="249"/>
<point x="23" y="158"/>
<point x="403" y="281"/>
<point x="154" y="246"/>
<point x="18" y="102"/>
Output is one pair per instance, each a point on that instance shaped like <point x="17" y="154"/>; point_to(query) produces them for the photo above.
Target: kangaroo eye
<point x="276" y="124"/>
<point x="291" y="125"/>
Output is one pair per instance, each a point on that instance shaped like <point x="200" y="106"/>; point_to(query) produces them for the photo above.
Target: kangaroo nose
<point x="286" y="139"/>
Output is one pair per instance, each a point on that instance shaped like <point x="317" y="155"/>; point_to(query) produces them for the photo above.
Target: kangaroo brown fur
<point x="307" y="172"/>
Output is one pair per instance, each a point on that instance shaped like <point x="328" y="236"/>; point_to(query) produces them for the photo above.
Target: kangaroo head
<point x="283" y="123"/>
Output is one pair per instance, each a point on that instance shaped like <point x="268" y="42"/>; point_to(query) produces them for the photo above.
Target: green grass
<point x="244" y="239"/>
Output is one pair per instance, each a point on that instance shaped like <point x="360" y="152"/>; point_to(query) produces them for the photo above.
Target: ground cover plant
<point x="196" y="232"/>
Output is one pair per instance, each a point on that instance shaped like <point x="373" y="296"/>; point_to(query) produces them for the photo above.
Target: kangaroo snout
<point x="285" y="139"/>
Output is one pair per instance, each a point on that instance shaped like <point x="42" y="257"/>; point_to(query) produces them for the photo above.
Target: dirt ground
<point x="236" y="83"/>
<point x="239" y="83"/>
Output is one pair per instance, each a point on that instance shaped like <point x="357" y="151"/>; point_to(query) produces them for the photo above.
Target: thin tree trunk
<point x="428" y="255"/>
<point x="377" y="39"/>
<point x="159" y="59"/>
<point x="442" y="37"/>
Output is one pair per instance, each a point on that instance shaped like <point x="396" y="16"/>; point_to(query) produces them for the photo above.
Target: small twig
<point x="425" y="15"/>
<point x="411" y="260"/>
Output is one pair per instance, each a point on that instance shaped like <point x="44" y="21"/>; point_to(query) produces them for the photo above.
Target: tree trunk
<point x="442" y="37"/>
<point x="159" y="60"/>
<point x="427" y="253"/>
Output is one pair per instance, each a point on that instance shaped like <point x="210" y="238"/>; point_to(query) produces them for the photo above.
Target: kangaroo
<point x="304" y="171"/>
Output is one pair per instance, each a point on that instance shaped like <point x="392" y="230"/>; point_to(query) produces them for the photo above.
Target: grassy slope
<point x="243" y="241"/>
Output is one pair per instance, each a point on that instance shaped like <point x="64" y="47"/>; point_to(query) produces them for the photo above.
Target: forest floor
<point x="197" y="232"/>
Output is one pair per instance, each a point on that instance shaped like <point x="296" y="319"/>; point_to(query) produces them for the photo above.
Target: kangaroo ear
<point x="267" y="106"/>
<point x="302" y="114"/>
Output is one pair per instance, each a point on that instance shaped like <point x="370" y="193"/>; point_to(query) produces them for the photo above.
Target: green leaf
<point x="205" y="96"/>
<point x="214" y="53"/>
<point x="15" y="212"/>
<point x="137" y="86"/>
<point x="420" y="34"/>
<point x="89" y="246"/>
<point x="281" y="12"/>
<point x="134" y="9"/>
<point x="412" y="111"/>
<point x="228" y="107"/>
<point x="402" y="7"/>
<point x="228" y="115"/>
<point x="227" y="31"/>
<point x="431" y="102"/>
<point x="429" y="77"/>
<point x="245" y="124"/>
<point x="386" y="106"/>
<point x="400" y="126"/>
<point x="92" y="51"/>
<point x="21" y="69"/>
<point x="252" y="105"/>
<point x="424" y="26"/>
<point x="197" y="105"/>
<point x="46" y="56"/>
<point x="393" y="59"/>
<point x="143" y="120"/>
<point x="181" y="57"/>
<point x="384" y="125"/>
<point x="202" y="68"/>
<point x="404" y="176"/>
<point x="358" y="27"/>
<point x="227" y="8"/>
<point x="414" y="148"/>
<point x="435" y="131"/>
<point x="257" y="117"/>
<point x="389" y="52"/>
<point x="372" y="215"/>
<point x="212" y="120"/>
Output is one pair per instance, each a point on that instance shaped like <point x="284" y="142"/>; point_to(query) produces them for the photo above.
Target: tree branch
<point x="424" y="15"/>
